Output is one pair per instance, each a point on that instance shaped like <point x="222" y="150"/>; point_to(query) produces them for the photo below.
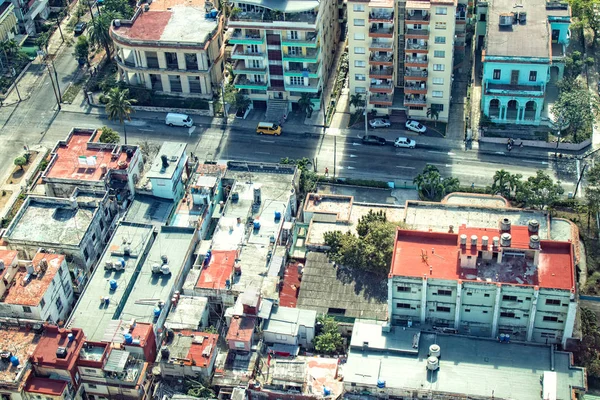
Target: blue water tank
<point x="507" y="338"/>
<point x="106" y="300"/>
<point x="128" y="338"/>
<point x="122" y="261"/>
<point x="380" y="384"/>
<point x="14" y="361"/>
<point x="256" y="224"/>
<point x="156" y="312"/>
<point x="277" y="216"/>
<point x="326" y="391"/>
<point x="207" y="15"/>
<point x="227" y="283"/>
<point x="214" y="13"/>
<point x="113" y="284"/>
<point x="71" y="337"/>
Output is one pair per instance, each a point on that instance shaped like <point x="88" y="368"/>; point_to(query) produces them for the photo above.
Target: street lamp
<point x="557" y="143"/>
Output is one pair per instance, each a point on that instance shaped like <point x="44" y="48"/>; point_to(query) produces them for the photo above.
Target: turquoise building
<point x="523" y="48"/>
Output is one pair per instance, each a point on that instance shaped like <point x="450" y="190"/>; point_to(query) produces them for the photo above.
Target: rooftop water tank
<point x="256" y="224"/>
<point x="380" y="383"/>
<point x="326" y="391"/>
<point x="433" y="363"/>
<point x="277" y="216"/>
<point x="128" y="338"/>
<point x="156" y="312"/>
<point x="435" y="350"/>
<point x="113" y="284"/>
<point x="14" y="361"/>
<point x="70" y="337"/>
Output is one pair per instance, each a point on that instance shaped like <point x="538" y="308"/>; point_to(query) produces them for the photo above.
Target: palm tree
<point x="501" y="183"/>
<point x="99" y="31"/>
<point x="434" y="114"/>
<point x="306" y="104"/>
<point x="119" y="106"/>
<point x="357" y="101"/>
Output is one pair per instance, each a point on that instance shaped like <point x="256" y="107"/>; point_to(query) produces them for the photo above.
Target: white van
<point x="174" y="119"/>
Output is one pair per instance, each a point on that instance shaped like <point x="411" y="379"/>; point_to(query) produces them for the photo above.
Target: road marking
<point x="146" y="130"/>
<point x="356" y="144"/>
<point x="535" y="162"/>
<point x="267" y="141"/>
<point x="353" y="155"/>
<point x="351" y="161"/>
<point x="500" y="152"/>
<point x="441" y="165"/>
<point x="403" y="167"/>
<point x="435" y="151"/>
<point x="261" y="152"/>
<point x="350" y="168"/>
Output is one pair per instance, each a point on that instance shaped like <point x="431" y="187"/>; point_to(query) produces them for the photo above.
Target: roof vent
<point x="505" y="225"/>
<point x="435" y="350"/>
<point x="505" y="239"/>
<point x="505" y="19"/>
<point x="496" y="241"/>
<point x="474" y="240"/>
<point x="463" y="240"/>
<point x="117" y="23"/>
<point x="165" y="161"/>
<point x="534" y="242"/>
<point x="61" y="352"/>
<point x="433" y="363"/>
<point x="533" y="226"/>
<point x="484" y="241"/>
<point x="522" y="17"/>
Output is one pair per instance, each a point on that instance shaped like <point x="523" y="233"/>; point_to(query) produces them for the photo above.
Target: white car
<point x="405" y="142"/>
<point x="415" y="126"/>
<point x="379" y="123"/>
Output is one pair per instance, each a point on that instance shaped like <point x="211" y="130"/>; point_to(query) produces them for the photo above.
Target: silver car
<point x="379" y="123"/>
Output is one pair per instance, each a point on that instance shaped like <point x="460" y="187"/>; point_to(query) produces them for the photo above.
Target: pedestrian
<point x="472" y="185"/>
<point x="521" y="144"/>
<point x="509" y="147"/>
<point x="327" y="172"/>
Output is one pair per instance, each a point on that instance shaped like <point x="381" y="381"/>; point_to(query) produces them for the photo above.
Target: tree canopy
<point x="20" y="161"/>
<point x="577" y="107"/>
<point x="82" y="48"/>
<point x="119" y="7"/>
<point x="99" y="30"/>
<point x="370" y="250"/>
<point x="432" y="186"/>
<point x="109" y="135"/>
<point x="538" y="191"/>
<point x="329" y="340"/>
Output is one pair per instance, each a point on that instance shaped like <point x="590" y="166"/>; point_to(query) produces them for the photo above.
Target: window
<point x="532" y="76"/>
<point x="360" y="64"/>
<point x="359" y="50"/>
<point x="86" y="255"/>
<point x="59" y="304"/>
<point x="441" y="11"/>
<point x="486" y="295"/>
<point x="509" y="298"/>
<point x="443" y="292"/>
<point x="469" y="293"/>
<point x="101" y="225"/>
<point x="91" y="385"/>
<point x="442" y="309"/>
<point x="402" y="305"/>
<point x="42" y="303"/>
<point x="360" y="90"/>
<point x="297" y="80"/>
<point x="496" y="74"/>
<point x="437" y="107"/>
<point x="293" y="35"/>
<point x="467" y="310"/>
<point x="482" y="17"/>
<point x="359" y="22"/>
<point x="93" y="371"/>
<point x="359" y="77"/>
<point x="437" y="93"/>
<point x="440" y="25"/>
<point x="485" y="311"/>
<point x="403" y="289"/>
<point x="440" y="39"/>
<point x="552" y="302"/>
<point x="359" y="36"/>
<point x="437" y="81"/>
<point x="94" y="237"/>
<point x="507" y="314"/>
<point x="550" y="319"/>
<point x="336" y="311"/>
<point x="358" y="7"/>
<point x="439" y="67"/>
<point x="439" y="53"/>
<point x="26" y="309"/>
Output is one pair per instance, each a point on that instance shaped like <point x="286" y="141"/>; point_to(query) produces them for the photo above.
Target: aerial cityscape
<point x="299" y="199"/>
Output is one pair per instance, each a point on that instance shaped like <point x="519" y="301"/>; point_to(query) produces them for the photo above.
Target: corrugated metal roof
<point x="116" y="361"/>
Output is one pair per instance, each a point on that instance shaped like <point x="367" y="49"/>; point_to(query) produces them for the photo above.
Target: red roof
<point x="53" y="338"/>
<point x="241" y="329"/>
<point x="66" y="162"/>
<point x="436" y="255"/>
<point x="219" y="270"/>
<point x="197" y="349"/>
<point x="288" y="295"/>
<point x="8" y="256"/>
<point x="49" y="387"/>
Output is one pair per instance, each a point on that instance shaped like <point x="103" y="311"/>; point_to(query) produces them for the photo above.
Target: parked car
<point x="415" y="126"/>
<point x="372" y="139"/>
<point x="405" y="142"/>
<point x="380" y="123"/>
<point x="175" y="119"/>
<point x="79" y="28"/>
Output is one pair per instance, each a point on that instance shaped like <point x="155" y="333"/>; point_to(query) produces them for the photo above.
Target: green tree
<point x="308" y="178"/>
<point x="82" y="49"/>
<point x="329" y="340"/>
<point x="434" y="114"/>
<point x="505" y="183"/>
<point x="357" y="101"/>
<point x="43" y="40"/>
<point x="305" y="104"/>
<point x="99" y="31"/>
<point x="577" y="107"/>
<point x="20" y="162"/>
<point x="119" y="107"/>
<point x="236" y="98"/>
<point x="108" y="135"/>
<point x="9" y="47"/>
<point x="539" y="191"/>
<point x="432" y="186"/>
<point x="592" y="192"/>
<point x="119" y="7"/>
<point x="366" y="221"/>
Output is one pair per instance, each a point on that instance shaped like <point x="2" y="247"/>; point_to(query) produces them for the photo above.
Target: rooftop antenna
<point x="424" y="257"/>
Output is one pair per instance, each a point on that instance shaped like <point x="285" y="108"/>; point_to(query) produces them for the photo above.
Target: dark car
<point x="79" y="28"/>
<point x="372" y="139"/>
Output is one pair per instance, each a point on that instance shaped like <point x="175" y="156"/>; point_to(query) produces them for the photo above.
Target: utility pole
<point x="59" y="29"/>
<point x="53" y="87"/>
<point x="334" y="154"/>
<point x="57" y="85"/>
<point x="224" y="104"/>
<point x="91" y="10"/>
<point x="14" y="74"/>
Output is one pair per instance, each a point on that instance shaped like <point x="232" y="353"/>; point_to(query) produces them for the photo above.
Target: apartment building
<point x="8" y="21"/>
<point x="516" y="72"/>
<point x="283" y="50"/>
<point x="401" y="55"/>
<point x="509" y="280"/>
<point x="158" y="49"/>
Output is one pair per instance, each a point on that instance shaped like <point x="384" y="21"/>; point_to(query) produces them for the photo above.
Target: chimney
<point x="165" y="161"/>
<point x="496" y="241"/>
<point x="505" y="225"/>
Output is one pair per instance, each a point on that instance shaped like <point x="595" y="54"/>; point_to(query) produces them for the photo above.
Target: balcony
<point x="239" y="53"/>
<point x="381" y="99"/>
<point x="312" y="71"/>
<point x="251" y="36"/>
<point x="381" y="45"/>
<point x="514" y="90"/>
<point x="271" y="16"/>
<point x="415" y="88"/>
<point x="417" y="15"/>
<point x="412" y="33"/>
<point x="311" y="56"/>
<point x="416" y="46"/>
<point x="416" y="61"/>
<point x="312" y="87"/>
<point x="381" y="59"/>
<point x="461" y="17"/>
<point x="415" y="100"/>
<point x="241" y="82"/>
<point x="309" y="40"/>
<point x="381" y="31"/>
<point x="378" y="86"/>
<point x="381" y="73"/>
<point x="415" y="74"/>
<point x="381" y="15"/>
<point x="241" y="68"/>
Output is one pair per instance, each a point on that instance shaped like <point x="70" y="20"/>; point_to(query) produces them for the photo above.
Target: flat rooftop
<point x="53" y="338"/>
<point x="20" y="343"/>
<point x="190" y="347"/>
<point x="45" y="386"/>
<point x="241" y="328"/>
<point x="187" y="314"/>
<point x="169" y="21"/>
<point x="333" y="290"/>
<point x="69" y="157"/>
<point x="505" y="40"/>
<point x="340" y="206"/>
<point x="286" y="320"/>
<point x="468" y="366"/>
<point x="92" y="352"/>
<point x="219" y="270"/>
<point x="149" y="210"/>
<point x="149" y="288"/>
<point x="436" y="255"/>
<point x="174" y="152"/>
<point x="137" y="237"/>
<point x="32" y="293"/>
<point x="48" y="220"/>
